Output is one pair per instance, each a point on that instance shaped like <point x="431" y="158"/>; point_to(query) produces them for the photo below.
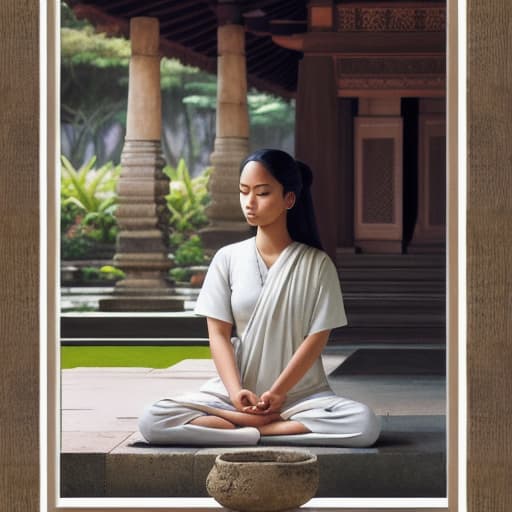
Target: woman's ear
<point x="290" y="200"/>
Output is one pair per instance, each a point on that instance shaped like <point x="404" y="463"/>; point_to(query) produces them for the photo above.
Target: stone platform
<point x="103" y="455"/>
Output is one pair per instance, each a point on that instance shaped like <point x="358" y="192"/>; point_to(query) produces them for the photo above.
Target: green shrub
<point x="90" y="273"/>
<point x="180" y="274"/>
<point x="111" y="273"/>
<point x="190" y="252"/>
<point x="105" y="273"/>
<point x="92" y="194"/>
<point x="76" y="245"/>
<point x="187" y="199"/>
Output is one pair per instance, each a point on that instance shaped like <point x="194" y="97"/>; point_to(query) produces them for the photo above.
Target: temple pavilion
<point x="369" y="83"/>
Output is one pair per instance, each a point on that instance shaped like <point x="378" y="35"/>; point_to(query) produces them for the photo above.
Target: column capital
<point x="145" y="36"/>
<point x="229" y="12"/>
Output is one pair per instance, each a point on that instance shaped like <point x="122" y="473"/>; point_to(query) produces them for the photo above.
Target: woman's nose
<point x="250" y="200"/>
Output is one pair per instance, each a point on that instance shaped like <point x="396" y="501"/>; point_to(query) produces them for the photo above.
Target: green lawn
<point x="146" y="357"/>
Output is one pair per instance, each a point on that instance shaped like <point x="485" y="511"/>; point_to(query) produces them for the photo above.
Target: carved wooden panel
<point x="431" y="220"/>
<point x="391" y="73"/>
<point x="378" y="179"/>
<point x="377" y="167"/>
<point x="371" y="18"/>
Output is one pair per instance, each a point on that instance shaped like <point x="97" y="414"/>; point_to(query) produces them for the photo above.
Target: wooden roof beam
<point x="266" y="86"/>
<point x="282" y="9"/>
<point x="186" y="16"/>
<point x="141" y="8"/>
<point x="189" y="27"/>
<point x="380" y="43"/>
<point x="188" y="56"/>
<point x="121" y="3"/>
<point x="103" y="22"/>
<point x="293" y="42"/>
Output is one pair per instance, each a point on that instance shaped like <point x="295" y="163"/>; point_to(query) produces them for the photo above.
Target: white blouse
<point x="234" y="281"/>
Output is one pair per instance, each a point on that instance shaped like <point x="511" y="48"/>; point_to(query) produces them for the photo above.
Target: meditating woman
<point x="280" y="292"/>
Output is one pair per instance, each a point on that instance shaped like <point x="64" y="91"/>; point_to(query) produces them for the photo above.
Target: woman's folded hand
<point x="244" y="399"/>
<point x="270" y="402"/>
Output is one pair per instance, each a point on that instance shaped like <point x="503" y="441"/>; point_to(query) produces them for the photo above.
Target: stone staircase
<point x="393" y="298"/>
<point x="389" y="299"/>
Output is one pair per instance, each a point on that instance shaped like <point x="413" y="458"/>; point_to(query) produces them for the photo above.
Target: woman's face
<point x="261" y="196"/>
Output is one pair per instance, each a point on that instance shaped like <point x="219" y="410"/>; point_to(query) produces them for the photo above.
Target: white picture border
<point x="50" y="501"/>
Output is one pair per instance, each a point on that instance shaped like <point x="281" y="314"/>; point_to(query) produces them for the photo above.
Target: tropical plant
<point x="187" y="199"/>
<point x="190" y="252"/>
<point x="111" y="273"/>
<point x="76" y="245"/>
<point x="187" y="254"/>
<point x="90" y="273"/>
<point x="92" y="193"/>
<point x="105" y="273"/>
<point x="180" y="274"/>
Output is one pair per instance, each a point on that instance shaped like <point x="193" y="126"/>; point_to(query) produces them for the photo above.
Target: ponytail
<point x="301" y="221"/>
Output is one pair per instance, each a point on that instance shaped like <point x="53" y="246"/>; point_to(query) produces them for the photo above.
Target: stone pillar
<point x="429" y="231"/>
<point x="227" y="223"/>
<point x="378" y="215"/>
<point x="142" y="214"/>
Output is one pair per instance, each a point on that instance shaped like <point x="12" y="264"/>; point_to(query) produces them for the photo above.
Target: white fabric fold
<point x="278" y="325"/>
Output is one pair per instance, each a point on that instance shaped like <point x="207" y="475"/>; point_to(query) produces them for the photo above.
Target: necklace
<point x="258" y="261"/>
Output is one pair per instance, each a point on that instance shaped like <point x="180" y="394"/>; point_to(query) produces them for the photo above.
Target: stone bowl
<point x="263" y="480"/>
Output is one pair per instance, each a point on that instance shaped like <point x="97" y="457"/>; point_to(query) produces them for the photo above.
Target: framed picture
<point x="28" y="309"/>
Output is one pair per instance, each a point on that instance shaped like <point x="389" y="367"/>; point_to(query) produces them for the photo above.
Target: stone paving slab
<point x="93" y="442"/>
<point x="98" y="399"/>
<point x="401" y="464"/>
<point x="104" y="455"/>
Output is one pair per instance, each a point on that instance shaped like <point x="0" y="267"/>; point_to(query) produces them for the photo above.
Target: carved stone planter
<point x="263" y="480"/>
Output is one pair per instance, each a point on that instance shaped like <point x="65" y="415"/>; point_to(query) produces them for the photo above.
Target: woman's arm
<point x="301" y="361"/>
<point x="223" y="356"/>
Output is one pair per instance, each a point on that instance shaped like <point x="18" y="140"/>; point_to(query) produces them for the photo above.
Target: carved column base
<point x="227" y="223"/>
<point x="142" y="242"/>
<point x="142" y="304"/>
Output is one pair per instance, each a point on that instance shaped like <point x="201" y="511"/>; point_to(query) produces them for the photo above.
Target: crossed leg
<point x="267" y="424"/>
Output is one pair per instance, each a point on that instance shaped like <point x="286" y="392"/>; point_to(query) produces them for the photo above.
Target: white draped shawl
<point x="279" y="323"/>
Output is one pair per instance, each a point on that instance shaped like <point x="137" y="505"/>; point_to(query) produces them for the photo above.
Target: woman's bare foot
<point x="283" y="428"/>
<point x="221" y="418"/>
<point x="212" y="422"/>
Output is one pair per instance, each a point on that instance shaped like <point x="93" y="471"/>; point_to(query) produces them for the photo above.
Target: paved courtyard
<point x="101" y="446"/>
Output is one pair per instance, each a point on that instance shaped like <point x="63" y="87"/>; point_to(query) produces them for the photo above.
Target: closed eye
<point x="260" y="194"/>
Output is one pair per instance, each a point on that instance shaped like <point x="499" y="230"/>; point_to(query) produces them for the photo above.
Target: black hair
<point x="294" y="176"/>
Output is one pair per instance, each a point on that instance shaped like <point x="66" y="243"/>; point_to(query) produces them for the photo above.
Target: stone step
<point x="184" y="325"/>
<point x="407" y="318"/>
<point x="408" y="274"/>
<point x="377" y="335"/>
<point x="411" y="287"/>
<point x="353" y="260"/>
<point x="405" y="462"/>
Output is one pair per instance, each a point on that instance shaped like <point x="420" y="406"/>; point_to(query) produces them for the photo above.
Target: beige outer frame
<point x="452" y="304"/>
